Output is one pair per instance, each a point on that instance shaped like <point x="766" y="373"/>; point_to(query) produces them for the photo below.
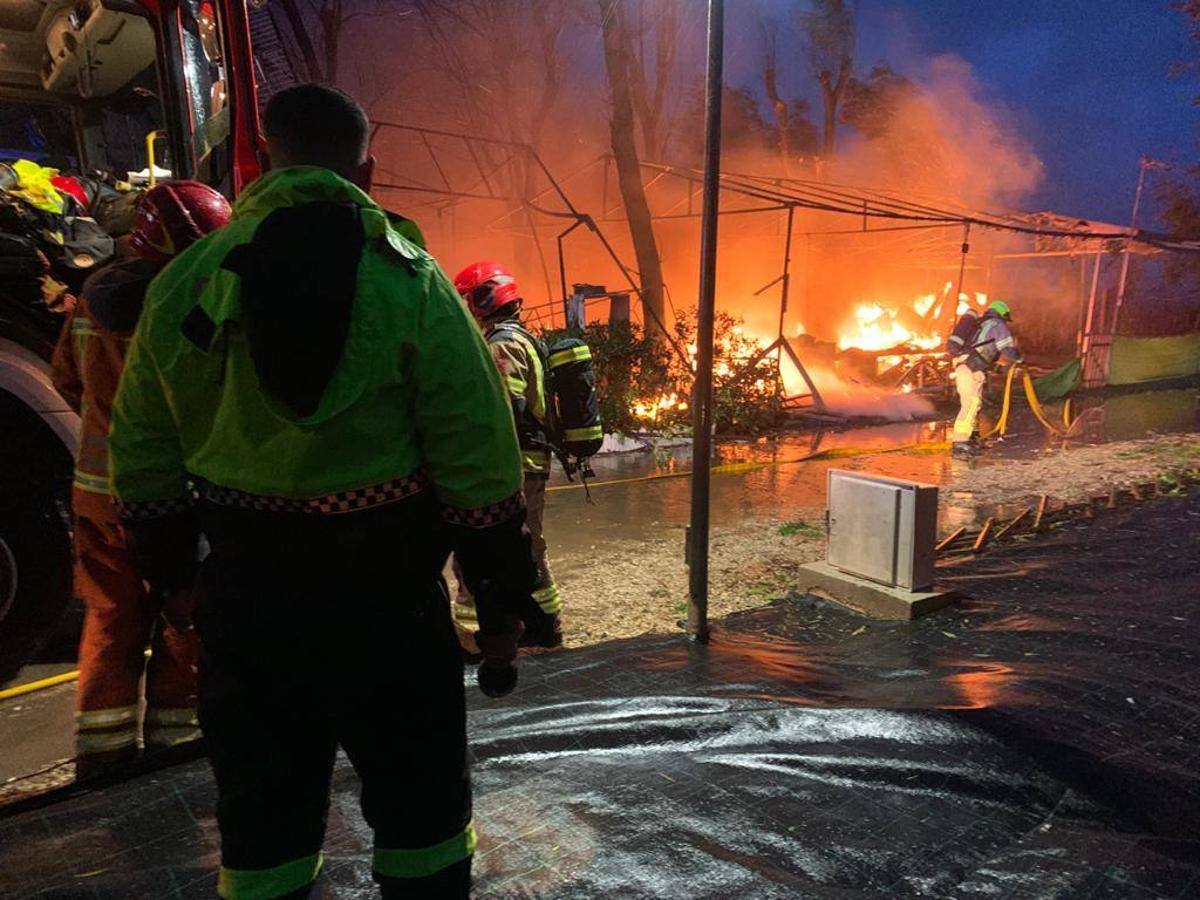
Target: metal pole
<point x="702" y="416"/>
<point x="786" y="279"/>
<point x="1143" y="164"/>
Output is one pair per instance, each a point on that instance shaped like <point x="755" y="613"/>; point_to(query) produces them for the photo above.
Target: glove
<point x="166" y="550"/>
<point x="497" y="564"/>
<point x="497" y="637"/>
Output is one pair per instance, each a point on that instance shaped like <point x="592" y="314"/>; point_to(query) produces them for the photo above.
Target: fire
<point x="898" y="335"/>
<point x="915" y="325"/>
<point x="649" y="410"/>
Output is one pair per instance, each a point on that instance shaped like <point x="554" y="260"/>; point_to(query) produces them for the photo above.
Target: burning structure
<point x="849" y="292"/>
<point x="848" y="266"/>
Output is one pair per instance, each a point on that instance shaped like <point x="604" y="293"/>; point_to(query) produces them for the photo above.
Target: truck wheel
<point x="35" y="541"/>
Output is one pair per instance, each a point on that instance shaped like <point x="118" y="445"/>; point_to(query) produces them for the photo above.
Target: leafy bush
<point x="635" y="371"/>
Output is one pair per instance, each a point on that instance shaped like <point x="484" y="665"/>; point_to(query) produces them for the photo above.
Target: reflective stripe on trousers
<point x="121" y="618"/>
<point x="545" y="590"/>
<point x="970" y="400"/>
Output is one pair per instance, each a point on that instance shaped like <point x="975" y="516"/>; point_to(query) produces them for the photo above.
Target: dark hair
<point x="317" y="125"/>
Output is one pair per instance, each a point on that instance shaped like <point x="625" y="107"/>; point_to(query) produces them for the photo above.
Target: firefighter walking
<point x="122" y="618"/>
<point x="976" y="346"/>
<point x="307" y="388"/>
<point x="491" y="293"/>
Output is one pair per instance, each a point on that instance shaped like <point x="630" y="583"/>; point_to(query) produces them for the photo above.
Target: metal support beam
<point x="702" y="417"/>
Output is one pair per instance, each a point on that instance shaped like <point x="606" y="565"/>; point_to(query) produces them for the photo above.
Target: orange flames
<point x="650" y="409"/>
<point x="911" y="329"/>
<point x="912" y="325"/>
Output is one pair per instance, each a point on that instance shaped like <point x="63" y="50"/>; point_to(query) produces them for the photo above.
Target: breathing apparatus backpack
<point x="571" y="383"/>
<point x="573" y="425"/>
<point x="962" y="338"/>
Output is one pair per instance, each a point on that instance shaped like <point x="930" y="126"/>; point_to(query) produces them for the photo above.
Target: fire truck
<point x="147" y="90"/>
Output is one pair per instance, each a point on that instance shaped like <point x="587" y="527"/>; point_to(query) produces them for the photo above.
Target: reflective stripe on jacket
<point x="992" y="341"/>
<point x="520" y="363"/>
<point x="90" y="356"/>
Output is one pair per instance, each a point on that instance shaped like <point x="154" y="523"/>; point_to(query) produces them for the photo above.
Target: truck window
<point x="204" y="66"/>
<point x="43" y="133"/>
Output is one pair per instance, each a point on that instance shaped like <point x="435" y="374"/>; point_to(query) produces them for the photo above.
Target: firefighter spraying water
<point x="977" y="345"/>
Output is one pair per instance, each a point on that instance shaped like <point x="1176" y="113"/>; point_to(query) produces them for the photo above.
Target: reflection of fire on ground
<point x="858" y="371"/>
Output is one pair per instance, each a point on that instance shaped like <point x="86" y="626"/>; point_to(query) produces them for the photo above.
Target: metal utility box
<point x="882" y="529"/>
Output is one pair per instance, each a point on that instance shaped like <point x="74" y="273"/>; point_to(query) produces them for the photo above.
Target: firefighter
<point x="121" y="616"/>
<point x="976" y="346"/>
<point x="491" y="293"/>
<point x="306" y="388"/>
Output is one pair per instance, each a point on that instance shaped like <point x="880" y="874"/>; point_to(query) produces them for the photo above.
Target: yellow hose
<point x="32" y="686"/>
<point x="1001" y="426"/>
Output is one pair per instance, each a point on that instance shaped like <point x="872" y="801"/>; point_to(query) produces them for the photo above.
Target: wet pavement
<point x="776" y="478"/>
<point x="1041" y="739"/>
<point x="783" y="478"/>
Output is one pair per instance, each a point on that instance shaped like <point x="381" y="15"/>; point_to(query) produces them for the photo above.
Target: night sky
<point x="1086" y="79"/>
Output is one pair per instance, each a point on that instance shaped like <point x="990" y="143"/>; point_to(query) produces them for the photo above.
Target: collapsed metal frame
<point x="764" y="194"/>
<point x="482" y="188"/>
<point x="1097" y="324"/>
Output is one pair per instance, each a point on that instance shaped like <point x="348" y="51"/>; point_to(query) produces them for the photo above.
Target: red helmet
<point x="488" y="288"/>
<point x="172" y="216"/>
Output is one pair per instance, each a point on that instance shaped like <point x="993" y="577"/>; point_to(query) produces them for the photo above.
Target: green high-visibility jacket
<point x="415" y="390"/>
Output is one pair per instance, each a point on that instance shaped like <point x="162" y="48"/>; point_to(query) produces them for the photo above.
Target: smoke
<point x="942" y="139"/>
<point x="929" y="134"/>
<point x="861" y="400"/>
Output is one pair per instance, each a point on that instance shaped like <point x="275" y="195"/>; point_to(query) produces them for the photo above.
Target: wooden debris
<point x="984" y="532"/>
<point x="1041" y="512"/>
<point x="950" y="539"/>
<point x="1017" y="519"/>
<point x="1113" y="496"/>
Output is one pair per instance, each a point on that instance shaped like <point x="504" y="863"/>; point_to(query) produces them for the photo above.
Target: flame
<point x="910" y="329"/>
<point x="649" y="410"/>
<point x="875" y="326"/>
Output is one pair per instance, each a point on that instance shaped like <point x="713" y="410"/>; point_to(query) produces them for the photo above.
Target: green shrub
<point x="633" y="369"/>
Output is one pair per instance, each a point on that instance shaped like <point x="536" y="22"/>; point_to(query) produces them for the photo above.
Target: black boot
<point x="544" y="633"/>
<point x="451" y="883"/>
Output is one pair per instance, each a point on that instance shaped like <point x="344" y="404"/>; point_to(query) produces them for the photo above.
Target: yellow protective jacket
<point x="266" y="392"/>
<point x="520" y="362"/>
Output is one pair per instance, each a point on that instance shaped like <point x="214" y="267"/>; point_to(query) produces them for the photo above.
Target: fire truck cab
<point x="137" y="92"/>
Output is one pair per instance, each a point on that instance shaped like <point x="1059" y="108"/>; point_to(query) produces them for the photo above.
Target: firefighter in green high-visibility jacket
<point x="490" y="292"/>
<point x="305" y="387"/>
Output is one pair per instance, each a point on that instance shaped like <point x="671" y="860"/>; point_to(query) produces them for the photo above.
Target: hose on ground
<point x="1039" y="412"/>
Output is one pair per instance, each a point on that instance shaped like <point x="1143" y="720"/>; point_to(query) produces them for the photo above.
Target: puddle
<point x="771" y="478"/>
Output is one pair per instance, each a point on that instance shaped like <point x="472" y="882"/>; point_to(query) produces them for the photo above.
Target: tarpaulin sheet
<point x="1040" y="740"/>
<point x="1134" y="360"/>
<point x="1059" y="383"/>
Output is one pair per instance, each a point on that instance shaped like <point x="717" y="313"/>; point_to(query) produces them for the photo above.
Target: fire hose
<point x="1039" y="412"/>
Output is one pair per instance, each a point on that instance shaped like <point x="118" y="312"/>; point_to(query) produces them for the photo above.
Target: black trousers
<point x="320" y="631"/>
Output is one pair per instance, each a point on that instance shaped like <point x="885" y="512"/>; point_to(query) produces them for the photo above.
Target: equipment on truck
<point x="85" y="82"/>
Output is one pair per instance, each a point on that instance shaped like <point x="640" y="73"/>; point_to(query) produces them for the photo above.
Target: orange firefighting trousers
<point x="121" y="620"/>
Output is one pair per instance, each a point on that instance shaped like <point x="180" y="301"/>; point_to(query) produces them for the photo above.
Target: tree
<point x="619" y="63"/>
<point x="870" y="105"/>
<point x="795" y="135"/>
<point x="650" y="95"/>
<point x="829" y="30"/>
<point x="749" y="140"/>
<point x="317" y="28"/>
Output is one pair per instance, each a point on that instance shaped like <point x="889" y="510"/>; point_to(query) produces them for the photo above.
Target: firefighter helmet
<point x="487" y="288"/>
<point x="172" y="216"/>
<point x="1001" y="309"/>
